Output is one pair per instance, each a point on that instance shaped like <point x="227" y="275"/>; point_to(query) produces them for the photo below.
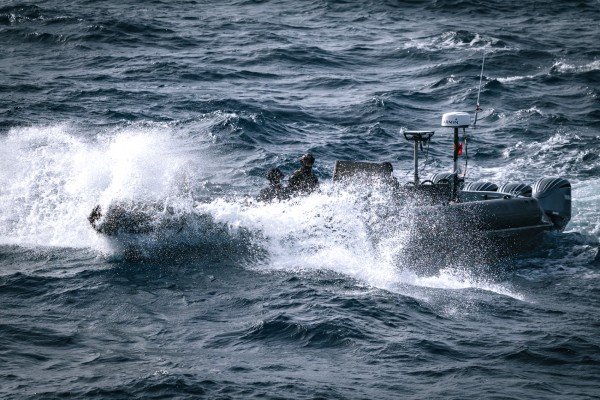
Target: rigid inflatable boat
<point x="447" y="211"/>
<point x="444" y="212"/>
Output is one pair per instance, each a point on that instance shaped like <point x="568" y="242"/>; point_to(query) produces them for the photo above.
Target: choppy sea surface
<point x="191" y="102"/>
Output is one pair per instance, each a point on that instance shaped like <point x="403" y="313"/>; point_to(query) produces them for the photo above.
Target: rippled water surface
<point x="191" y="102"/>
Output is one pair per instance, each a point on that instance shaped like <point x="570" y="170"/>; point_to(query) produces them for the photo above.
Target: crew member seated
<point x="275" y="190"/>
<point x="304" y="181"/>
<point x="389" y="177"/>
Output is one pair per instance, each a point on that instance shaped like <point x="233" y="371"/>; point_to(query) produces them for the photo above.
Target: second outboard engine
<point x="554" y="196"/>
<point x="516" y="189"/>
<point x="481" y="187"/>
<point x="442" y="177"/>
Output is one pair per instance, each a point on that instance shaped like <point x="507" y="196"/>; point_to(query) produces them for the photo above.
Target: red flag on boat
<point x="460" y="145"/>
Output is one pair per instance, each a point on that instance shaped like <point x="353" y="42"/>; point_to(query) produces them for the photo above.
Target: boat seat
<point x="362" y="171"/>
<point x="427" y="194"/>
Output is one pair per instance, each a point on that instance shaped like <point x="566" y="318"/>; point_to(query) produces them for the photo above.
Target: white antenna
<point x="477" y="109"/>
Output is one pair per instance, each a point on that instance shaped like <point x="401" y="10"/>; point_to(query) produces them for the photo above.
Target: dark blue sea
<point x="192" y="102"/>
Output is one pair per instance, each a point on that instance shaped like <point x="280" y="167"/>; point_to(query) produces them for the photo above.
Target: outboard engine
<point x="554" y="196"/>
<point x="442" y="177"/>
<point x="516" y="189"/>
<point x="481" y="187"/>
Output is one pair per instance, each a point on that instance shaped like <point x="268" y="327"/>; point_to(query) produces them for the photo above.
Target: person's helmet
<point x="307" y="160"/>
<point x="274" y="175"/>
<point x="387" y="167"/>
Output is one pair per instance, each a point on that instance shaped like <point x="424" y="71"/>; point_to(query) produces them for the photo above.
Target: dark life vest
<point x="303" y="181"/>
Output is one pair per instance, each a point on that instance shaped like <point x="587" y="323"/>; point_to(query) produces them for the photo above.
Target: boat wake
<point x="330" y="232"/>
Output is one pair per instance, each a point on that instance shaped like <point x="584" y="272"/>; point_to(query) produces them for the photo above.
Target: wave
<point x="558" y="68"/>
<point x="586" y="204"/>
<point x="20" y="13"/>
<point x="153" y="33"/>
<point x="456" y="40"/>
<point x="564" y="67"/>
<point x="517" y="78"/>
<point x="304" y="55"/>
<point x="529" y="157"/>
<point x="337" y="332"/>
<point x="32" y="23"/>
<point x="23" y="14"/>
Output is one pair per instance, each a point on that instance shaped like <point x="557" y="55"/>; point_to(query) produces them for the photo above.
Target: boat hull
<point x="478" y="231"/>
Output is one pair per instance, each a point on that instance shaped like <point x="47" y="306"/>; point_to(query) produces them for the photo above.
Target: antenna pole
<point x="455" y="165"/>
<point x="416" y="160"/>
<point x="477" y="109"/>
<point x="418" y="137"/>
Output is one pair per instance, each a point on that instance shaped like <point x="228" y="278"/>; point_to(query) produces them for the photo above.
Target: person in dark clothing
<point x="275" y="190"/>
<point x="304" y="181"/>
<point x="389" y="177"/>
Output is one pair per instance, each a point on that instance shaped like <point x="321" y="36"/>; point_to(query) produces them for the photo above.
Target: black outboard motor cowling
<point x="445" y="177"/>
<point x="516" y="189"/>
<point x="554" y="196"/>
<point x="481" y="187"/>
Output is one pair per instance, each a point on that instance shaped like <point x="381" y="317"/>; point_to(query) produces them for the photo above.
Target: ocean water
<point x="191" y="102"/>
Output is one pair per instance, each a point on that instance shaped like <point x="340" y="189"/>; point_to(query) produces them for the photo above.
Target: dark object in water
<point x="134" y="218"/>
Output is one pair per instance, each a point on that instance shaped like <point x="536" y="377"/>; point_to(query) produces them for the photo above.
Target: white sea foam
<point x="557" y="67"/>
<point x="564" y="67"/>
<point x="52" y="176"/>
<point x="452" y="40"/>
<point x="329" y="231"/>
<point x="515" y="78"/>
<point x="529" y="111"/>
<point x="586" y="208"/>
<point x="529" y="160"/>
